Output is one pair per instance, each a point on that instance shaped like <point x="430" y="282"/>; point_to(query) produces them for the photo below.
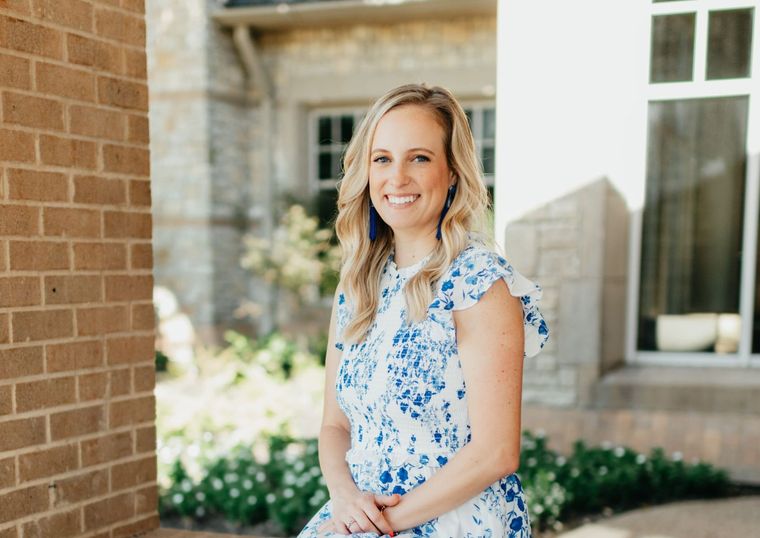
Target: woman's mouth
<point x="401" y="201"/>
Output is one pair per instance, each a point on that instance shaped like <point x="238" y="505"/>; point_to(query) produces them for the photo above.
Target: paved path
<point x="736" y="517"/>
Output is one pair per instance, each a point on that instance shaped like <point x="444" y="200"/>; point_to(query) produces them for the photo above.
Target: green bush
<point x="597" y="479"/>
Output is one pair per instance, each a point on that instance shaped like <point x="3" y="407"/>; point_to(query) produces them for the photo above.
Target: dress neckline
<point x="409" y="270"/>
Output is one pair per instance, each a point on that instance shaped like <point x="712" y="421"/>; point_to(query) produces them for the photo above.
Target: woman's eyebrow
<point x="408" y="151"/>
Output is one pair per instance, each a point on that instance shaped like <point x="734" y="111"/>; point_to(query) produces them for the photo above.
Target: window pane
<point x="325" y="130"/>
<point x="729" y="43"/>
<point x="327" y="206"/>
<point x="692" y="225"/>
<point x="346" y="128"/>
<point x="336" y="165"/>
<point x="468" y="113"/>
<point x="672" y="47"/>
<point x="325" y="165"/>
<point x="489" y="124"/>
<point x="488" y="160"/>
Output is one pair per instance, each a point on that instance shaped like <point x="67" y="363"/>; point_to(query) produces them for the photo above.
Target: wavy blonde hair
<point x="363" y="260"/>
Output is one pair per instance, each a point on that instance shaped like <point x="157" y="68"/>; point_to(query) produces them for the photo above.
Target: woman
<point x="421" y="427"/>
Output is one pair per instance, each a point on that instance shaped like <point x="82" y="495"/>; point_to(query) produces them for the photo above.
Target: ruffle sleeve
<point x="478" y="270"/>
<point x="341" y="320"/>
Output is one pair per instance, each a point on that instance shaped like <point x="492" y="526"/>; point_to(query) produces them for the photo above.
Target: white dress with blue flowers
<point x="404" y="394"/>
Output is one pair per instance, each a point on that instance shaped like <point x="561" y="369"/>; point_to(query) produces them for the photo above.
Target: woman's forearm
<point x="468" y="473"/>
<point x="334" y="442"/>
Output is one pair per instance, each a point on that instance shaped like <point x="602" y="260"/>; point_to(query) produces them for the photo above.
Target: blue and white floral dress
<point x="404" y="394"/>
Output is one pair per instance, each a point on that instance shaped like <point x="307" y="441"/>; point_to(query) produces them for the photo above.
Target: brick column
<point x="77" y="434"/>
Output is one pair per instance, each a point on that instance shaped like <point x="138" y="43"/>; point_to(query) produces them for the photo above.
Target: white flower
<point x="177" y="498"/>
<point x="606" y="445"/>
<point x="186" y="485"/>
<point x="270" y="498"/>
<point x="288" y="493"/>
<point x="574" y="472"/>
<point x="217" y="484"/>
<point x="640" y="458"/>
<point x="252" y="499"/>
<point x="299" y="466"/>
<point x="560" y="460"/>
<point x="531" y="461"/>
<point x="200" y="511"/>
<point x="234" y="493"/>
<point x="260" y="476"/>
<point x="602" y="470"/>
<point x="619" y="451"/>
<point x="677" y="456"/>
<point x="200" y="496"/>
<point x="247" y="484"/>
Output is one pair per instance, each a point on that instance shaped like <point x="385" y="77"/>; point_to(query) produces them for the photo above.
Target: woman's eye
<point x="377" y="159"/>
<point x="423" y="156"/>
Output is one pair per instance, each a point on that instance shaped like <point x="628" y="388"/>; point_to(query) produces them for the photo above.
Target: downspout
<point x="260" y="90"/>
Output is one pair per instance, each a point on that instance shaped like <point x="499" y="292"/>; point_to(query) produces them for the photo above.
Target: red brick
<point x="23" y="502"/>
<point x="36" y="185"/>
<point x="96" y="122"/>
<point x="143" y="317"/>
<point x="60" y="525"/>
<point x="20" y="361"/>
<point x="137" y="6"/>
<point x="16" y="146"/>
<point x="39" y="255"/>
<point x="21" y="433"/>
<point x="129" y="29"/>
<point x="123" y="224"/>
<point x="65" y="82"/>
<point x="133" y="411"/>
<point x="99" y="191"/>
<point x="30" y="37"/>
<point x="68" y="152"/>
<point x="129" y="288"/>
<point x="144" y="378"/>
<point x="130" y="349"/>
<point x="80" y="487"/>
<point x="77" y="422"/>
<point x="19" y="220"/>
<point x="5" y="331"/>
<point x="121" y="382"/>
<point x="138" y="129"/>
<point x="74" y="356"/>
<point x="93" y="386"/>
<point x="6" y="403"/>
<point x="7" y="472"/>
<point x="42" y="325"/>
<point x="30" y="111"/>
<point x="107" y="448"/>
<point x="46" y="393"/>
<point x="146" y="439"/>
<point x="136" y="528"/>
<point x="102" y="320"/>
<point x="109" y="511"/>
<point x="72" y="289"/>
<point x="21" y="6"/>
<point x="72" y="13"/>
<point x="123" y="93"/>
<point x="93" y="53"/>
<point x="135" y="64"/>
<point x="126" y="160"/>
<point x="20" y="291"/>
<point x="139" y="192"/>
<point x="100" y="256"/>
<point x="71" y="222"/>
<point x="15" y="72"/>
<point x="47" y="462"/>
<point x="133" y="473"/>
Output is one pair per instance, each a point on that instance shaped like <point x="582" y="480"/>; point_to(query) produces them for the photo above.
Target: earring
<point x="449" y="199"/>
<point x="372" y="221"/>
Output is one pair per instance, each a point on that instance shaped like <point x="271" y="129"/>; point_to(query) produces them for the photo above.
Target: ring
<point x="350" y="522"/>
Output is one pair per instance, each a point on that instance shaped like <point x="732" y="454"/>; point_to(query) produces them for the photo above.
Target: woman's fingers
<point x="387" y="500"/>
<point x="378" y="520"/>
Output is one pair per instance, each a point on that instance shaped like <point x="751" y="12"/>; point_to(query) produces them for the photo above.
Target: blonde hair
<point x="362" y="259"/>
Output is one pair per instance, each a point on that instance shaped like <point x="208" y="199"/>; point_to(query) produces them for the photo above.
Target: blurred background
<point x="620" y="144"/>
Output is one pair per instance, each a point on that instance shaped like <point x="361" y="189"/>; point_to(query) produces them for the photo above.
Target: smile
<point x="402" y="201"/>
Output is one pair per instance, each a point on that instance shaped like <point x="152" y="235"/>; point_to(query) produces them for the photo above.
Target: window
<point x="331" y="130"/>
<point x="693" y="302"/>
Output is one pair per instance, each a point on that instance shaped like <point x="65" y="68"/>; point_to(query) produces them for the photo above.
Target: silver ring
<point x="350" y="522"/>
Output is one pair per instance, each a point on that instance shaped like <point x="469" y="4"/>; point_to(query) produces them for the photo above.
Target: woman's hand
<point x="360" y="512"/>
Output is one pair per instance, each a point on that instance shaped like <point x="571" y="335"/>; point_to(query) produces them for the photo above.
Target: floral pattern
<point x="403" y="391"/>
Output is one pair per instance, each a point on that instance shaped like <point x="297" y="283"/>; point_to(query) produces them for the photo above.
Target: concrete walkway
<point x="720" y="518"/>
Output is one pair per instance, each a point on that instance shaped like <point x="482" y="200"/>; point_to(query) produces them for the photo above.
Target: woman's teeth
<point x="404" y="200"/>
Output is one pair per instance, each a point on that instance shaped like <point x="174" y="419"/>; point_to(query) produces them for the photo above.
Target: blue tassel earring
<point x="449" y="199"/>
<point x="372" y="221"/>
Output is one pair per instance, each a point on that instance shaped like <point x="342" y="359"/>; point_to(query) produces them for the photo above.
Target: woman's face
<point x="408" y="174"/>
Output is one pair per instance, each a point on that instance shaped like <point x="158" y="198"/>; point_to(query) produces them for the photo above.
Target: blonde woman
<point x="430" y="326"/>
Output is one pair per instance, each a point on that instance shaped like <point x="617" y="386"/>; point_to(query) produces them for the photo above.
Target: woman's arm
<point x="490" y="341"/>
<point x="335" y="433"/>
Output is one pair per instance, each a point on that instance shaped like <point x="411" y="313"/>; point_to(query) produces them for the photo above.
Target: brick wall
<point x="77" y="434"/>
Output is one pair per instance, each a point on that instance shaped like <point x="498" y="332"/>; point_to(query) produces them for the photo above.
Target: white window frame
<point x="316" y="184"/>
<point x="698" y="88"/>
